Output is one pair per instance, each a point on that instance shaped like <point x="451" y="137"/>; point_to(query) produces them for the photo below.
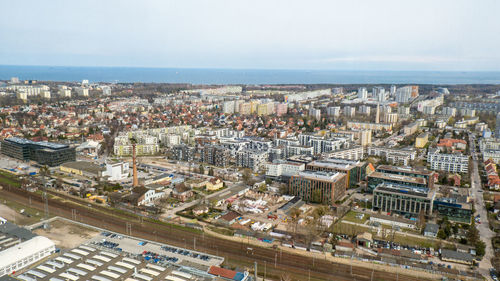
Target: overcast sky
<point x="268" y="34"/>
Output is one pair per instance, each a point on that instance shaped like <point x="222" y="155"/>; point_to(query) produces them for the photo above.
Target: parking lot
<point x="110" y="256"/>
<point x="154" y="252"/>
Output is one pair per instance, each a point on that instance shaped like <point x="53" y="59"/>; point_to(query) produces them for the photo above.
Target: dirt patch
<point x="66" y="234"/>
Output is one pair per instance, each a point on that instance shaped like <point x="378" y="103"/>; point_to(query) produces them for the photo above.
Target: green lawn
<point x="9" y="179"/>
<point x="352" y="217"/>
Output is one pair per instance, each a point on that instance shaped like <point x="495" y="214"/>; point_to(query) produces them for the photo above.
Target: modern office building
<point x="355" y="170"/>
<point x="455" y="163"/>
<point x="409" y="171"/>
<point x="402" y="199"/>
<point x="44" y="153"/>
<point x="453" y="210"/>
<point x="315" y="186"/>
<point x="376" y="178"/>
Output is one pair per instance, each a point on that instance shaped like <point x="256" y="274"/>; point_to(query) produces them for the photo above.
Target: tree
<point x="473" y="233"/>
<point x="421" y="219"/>
<point x="211" y="172"/>
<point x="441" y="234"/>
<point x="480" y="248"/>
<point x="247" y="176"/>
<point x="201" y="169"/>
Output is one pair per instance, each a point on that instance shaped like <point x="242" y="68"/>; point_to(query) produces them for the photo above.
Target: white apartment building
<point x="280" y="168"/>
<point x="454" y="163"/>
<point x="362" y="93"/>
<point x="333" y="111"/>
<point x="83" y="92"/>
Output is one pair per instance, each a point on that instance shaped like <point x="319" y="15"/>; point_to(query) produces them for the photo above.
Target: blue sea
<point x="243" y="76"/>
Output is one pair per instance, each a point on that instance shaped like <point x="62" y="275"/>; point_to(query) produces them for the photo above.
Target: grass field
<point x="352" y="217"/>
<point x="9" y="179"/>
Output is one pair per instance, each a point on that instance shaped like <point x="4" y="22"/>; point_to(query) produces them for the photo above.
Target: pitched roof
<point x="222" y="272"/>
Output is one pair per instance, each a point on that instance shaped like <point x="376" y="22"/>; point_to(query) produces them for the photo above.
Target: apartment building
<point x="454" y="163"/>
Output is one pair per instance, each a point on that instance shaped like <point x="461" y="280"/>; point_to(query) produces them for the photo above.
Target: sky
<point x="458" y="35"/>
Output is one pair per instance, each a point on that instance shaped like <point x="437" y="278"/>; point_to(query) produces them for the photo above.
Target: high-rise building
<point x="497" y="128"/>
<point x="377" y="115"/>
<point x="362" y="93"/>
<point x="228" y="107"/>
<point x="393" y="91"/>
<point x="84" y="92"/>
<point x="349" y="111"/>
<point x="391" y="118"/>
<point x="333" y="111"/>
<point x="315" y="113"/>
<point x="364" y="109"/>
<point x="215" y="155"/>
<point x="379" y="94"/>
<point x="365" y="137"/>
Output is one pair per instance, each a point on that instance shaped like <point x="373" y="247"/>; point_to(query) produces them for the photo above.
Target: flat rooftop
<point x="84" y="166"/>
<point x="395" y="177"/>
<point x="330" y="165"/>
<point x="317" y="175"/>
<point x="50" y="145"/>
<point x="404" y="190"/>
<point x="408" y="170"/>
<point x="114" y="257"/>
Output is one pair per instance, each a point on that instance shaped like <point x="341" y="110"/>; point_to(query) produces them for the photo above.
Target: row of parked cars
<point x="157" y="258"/>
<point x="397" y="246"/>
<point x="111" y="235"/>
<point x="185" y="253"/>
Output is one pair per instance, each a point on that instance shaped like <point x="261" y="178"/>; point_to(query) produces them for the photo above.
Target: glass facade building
<point x="44" y="153"/>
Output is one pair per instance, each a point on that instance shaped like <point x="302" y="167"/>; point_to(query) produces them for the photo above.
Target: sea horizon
<point x="227" y="76"/>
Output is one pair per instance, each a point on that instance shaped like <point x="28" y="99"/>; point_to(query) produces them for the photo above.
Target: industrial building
<point x="44" y="153"/>
<point x="21" y="248"/>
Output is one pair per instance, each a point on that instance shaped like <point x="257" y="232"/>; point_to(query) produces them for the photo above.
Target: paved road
<point x="484" y="228"/>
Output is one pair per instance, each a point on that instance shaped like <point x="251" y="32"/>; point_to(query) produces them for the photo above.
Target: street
<point x="484" y="228"/>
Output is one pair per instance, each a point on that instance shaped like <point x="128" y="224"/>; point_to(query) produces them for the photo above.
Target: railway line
<point x="235" y="253"/>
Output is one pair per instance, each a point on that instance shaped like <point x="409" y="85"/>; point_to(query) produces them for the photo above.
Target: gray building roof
<point x="431" y="228"/>
<point x="449" y="254"/>
<point x="16" y="231"/>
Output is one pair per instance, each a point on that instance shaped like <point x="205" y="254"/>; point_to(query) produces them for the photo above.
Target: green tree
<point x="201" y="169"/>
<point x="473" y="233"/>
<point x="480" y="248"/>
<point x="211" y="172"/>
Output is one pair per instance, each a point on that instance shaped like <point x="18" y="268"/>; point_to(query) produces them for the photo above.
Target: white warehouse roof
<point x="24" y="250"/>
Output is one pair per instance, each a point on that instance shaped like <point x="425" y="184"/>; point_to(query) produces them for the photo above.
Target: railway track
<point x="235" y="253"/>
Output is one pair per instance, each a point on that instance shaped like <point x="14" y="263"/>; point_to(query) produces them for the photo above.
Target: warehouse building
<point x="82" y="168"/>
<point x="44" y="153"/>
<point x="21" y="248"/>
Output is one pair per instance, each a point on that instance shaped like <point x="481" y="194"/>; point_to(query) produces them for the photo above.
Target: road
<point x="485" y="232"/>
